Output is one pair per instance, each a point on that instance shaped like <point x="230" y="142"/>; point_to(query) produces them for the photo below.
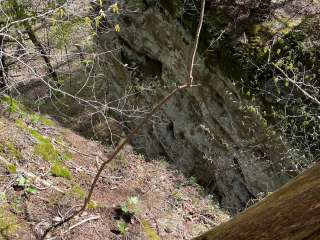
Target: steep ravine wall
<point x="204" y="131"/>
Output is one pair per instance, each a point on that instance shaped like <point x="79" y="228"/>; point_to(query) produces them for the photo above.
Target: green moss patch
<point x="21" y="124"/>
<point x="92" y="205"/>
<point x="8" y="223"/>
<point x="36" y="118"/>
<point x="77" y="192"/>
<point x="58" y="169"/>
<point x="47" y="151"/>
<point x="12" y="168"/>
<point x="149" y="231"/>
<point x="13" y="105"/>
<point x="45" y="148"/>
<point x="13" y="150"/>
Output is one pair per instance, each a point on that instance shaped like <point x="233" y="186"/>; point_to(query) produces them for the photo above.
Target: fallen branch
<point x="83" y="221"/>
<point x="78" y="224"/>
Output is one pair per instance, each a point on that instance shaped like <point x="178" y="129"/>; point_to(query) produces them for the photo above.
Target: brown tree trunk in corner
<point x="290" y="213"/>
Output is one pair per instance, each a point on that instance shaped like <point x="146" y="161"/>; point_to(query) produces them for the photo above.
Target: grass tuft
<point x="59" y="170"/>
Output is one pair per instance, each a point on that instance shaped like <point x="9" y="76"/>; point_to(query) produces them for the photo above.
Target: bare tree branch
<point x="195" y="47"/>
<point x="314" y="99"/>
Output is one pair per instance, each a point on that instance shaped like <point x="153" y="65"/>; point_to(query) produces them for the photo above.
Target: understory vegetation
<point x="272" y="56"/>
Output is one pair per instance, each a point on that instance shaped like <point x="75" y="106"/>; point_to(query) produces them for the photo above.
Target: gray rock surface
<point x="203" y="131"/>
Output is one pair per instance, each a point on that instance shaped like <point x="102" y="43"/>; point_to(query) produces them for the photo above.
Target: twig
<point x="314" y="99"/>
<point x="78" y="224"/>
<point x="195" y="47"/>
<point x="83" y="221"/>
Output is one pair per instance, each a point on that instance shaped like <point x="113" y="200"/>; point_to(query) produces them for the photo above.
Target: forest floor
<point x="45" y="171"/>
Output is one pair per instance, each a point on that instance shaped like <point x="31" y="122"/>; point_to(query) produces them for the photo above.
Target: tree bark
<point x="292" y="212"/>
<point x="3" y="84"/>
<point x="43" y="53"/>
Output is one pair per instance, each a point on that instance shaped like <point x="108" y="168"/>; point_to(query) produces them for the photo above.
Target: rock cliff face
<point x="206" y="132"/>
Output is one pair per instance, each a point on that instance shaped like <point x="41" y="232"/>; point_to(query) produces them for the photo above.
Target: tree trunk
<point x="43" y="53"/>
<point x="2" y="66"/>
<point x="20" y="13"/>
<point x="292" y="212"/>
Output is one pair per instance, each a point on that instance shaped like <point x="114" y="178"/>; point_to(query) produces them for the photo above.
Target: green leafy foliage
<point x="193" y="180"/>
<point x="288" y="44"/>
<point x="122" y="227"/>
<point x="131" y="206"/>
<point x="23" y="181"/>
<point x="177" y="195"/>
<point x="61" y="33"/>
<point x="3" y="196"/>
<point x="31" y="190"/>
<point x="36" y="118"/>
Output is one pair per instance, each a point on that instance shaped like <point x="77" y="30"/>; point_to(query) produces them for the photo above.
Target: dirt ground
<point x="134" y="198"/>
